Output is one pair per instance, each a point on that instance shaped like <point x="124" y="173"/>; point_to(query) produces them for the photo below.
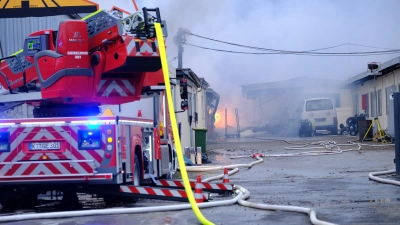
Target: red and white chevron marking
<point x="79" y="161"/>
<point x="115" y="88"/>
<point x="84" y="178"/>
<point x="163" y="192"/>
<point x="44" y="168"/>
<point x="145" y="47"/>
<point x="205" y="185"/>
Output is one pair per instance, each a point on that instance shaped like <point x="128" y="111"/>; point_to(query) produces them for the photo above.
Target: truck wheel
<point x="136" y="172"/>
<point x="112" y="200"/>
<point x="8" y="203"/>
<point x="70" y="200"/>
<point x="29" y="201"/>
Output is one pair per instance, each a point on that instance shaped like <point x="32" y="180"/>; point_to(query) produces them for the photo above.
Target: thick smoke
<point x="283" y="24"/>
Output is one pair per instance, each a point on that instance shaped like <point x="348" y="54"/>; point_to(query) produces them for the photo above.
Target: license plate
<point x="44" y="146"/>
<point x="320" y="119"/>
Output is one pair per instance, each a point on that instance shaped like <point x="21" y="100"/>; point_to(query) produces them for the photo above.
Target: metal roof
<point x="15" y="30"/>
<point x="280" y="87"/>
<point x="386" y="68"/>
<point x="297" y="82"/>
<point x="190" y="75"/>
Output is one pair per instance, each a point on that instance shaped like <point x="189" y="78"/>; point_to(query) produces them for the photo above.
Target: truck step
<point x="210" y="187"/>
<point x="158" y="193"/>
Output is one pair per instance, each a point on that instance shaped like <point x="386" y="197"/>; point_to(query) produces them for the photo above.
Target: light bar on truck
<point x="136" y="122"/>
<point x="34" y="123"/>
<point x="94" y="122"/>
<point x="6" y="124"/>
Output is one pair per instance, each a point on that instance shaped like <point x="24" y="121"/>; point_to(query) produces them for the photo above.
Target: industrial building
<point x="277" y="105"/>
<point x="365" y="86"/>
<point x="201" y="106"/>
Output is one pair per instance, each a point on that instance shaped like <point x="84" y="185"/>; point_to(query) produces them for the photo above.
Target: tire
<point x="112" y="200"/>
<point x="312" y="132"/>
<point x="70" y="200"/>
<point x="9" y="203"/>
<point x="29" y="201"/>
<point x="353" y="133"/>
<point x="136" y="172"/>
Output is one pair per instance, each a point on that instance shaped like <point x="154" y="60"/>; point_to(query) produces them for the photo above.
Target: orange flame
<point x="217" y="117"/>
<point x="220" y="119"/>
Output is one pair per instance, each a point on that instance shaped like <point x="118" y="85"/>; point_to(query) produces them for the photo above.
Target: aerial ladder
<point x="100" y="59"/>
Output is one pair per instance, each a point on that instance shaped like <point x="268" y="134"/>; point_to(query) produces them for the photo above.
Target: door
<point x="128" y="154"/>
<point x="390" y="108"/>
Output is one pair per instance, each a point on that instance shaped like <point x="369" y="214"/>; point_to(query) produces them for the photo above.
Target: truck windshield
<point x="320" y="104"/>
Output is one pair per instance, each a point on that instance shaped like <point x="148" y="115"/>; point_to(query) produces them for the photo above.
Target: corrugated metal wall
<point x="14" y="30"/>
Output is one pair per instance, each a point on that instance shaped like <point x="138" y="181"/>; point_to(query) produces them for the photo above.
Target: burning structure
<point x="277" y="104"/>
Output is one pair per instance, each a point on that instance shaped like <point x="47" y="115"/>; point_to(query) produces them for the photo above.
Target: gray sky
<point x="278" y="24"/>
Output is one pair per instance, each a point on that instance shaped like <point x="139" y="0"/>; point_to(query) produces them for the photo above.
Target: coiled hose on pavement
<point x="246" y="194"/>
<point x="242" y="193"/>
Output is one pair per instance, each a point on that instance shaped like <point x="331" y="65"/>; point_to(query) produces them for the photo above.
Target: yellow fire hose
<point x="171" y="109"/>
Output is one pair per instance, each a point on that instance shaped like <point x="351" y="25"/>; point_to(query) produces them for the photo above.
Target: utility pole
<point x="1" y="50"/>
<point x="179" y="40"/>
<point x="226" y="123"/>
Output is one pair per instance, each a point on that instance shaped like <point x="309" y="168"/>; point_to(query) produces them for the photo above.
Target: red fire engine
<point x="66" y="74"/>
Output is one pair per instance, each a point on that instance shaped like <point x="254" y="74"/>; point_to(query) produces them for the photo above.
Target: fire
<point x="217" y="117"/>
<point x="219" y="122"/>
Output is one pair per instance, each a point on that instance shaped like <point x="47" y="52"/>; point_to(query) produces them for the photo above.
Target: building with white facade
<point x="372" y="93"/>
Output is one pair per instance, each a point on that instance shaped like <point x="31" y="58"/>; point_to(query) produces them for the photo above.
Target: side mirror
<point x="184" y="105"/>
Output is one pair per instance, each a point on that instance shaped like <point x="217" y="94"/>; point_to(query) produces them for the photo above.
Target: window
<point x="365" y="103"/>
<point x="373" y="100"/>
<point x="190" y="104"/>
<point x="388" y="93"/>
<point x="399" y="87"/>
<point x="380" y="102"/>
<point x="320" y="104"/>
<point x="173" y="94"/>
<point x="195" y="107"/>
<point x="355" y="104"/>
<point x="204" y="106"/>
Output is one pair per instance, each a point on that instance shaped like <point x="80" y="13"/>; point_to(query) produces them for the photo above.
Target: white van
<point x="322" y="113"/>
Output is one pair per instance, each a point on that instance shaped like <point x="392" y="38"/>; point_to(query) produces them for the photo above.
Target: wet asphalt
<point x="336" y="186"/>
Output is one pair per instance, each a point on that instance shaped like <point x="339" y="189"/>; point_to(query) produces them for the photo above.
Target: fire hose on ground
<point x="242" y="195"/>
<point x="246" y="194"/>
<point x="330" y="145"/>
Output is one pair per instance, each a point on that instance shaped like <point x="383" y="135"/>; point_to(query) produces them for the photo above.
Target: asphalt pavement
<point x="336" y="186"/>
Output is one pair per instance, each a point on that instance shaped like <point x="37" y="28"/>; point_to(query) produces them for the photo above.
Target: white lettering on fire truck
<point x="15" y="81"/>
<point x="77" y="53"/>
